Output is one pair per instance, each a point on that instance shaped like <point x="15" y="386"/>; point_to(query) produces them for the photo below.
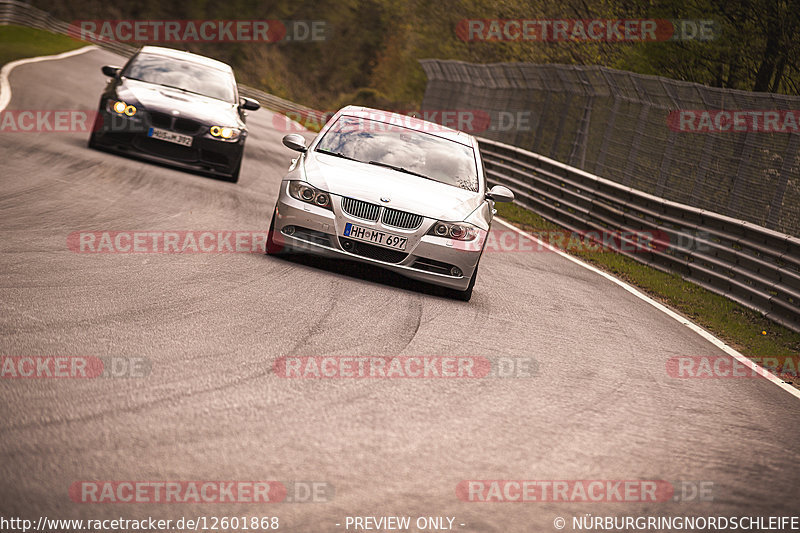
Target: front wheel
<point x="272" y="247"/>
<point x="466" y="295"/>
<point x="97" y="125"/>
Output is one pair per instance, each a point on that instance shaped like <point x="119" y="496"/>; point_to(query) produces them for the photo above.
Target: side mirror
<point x="249" y="104"/>
<point x="110" y="71"/>
<point x="498" y="193"/>
<point x="295" y="141"/>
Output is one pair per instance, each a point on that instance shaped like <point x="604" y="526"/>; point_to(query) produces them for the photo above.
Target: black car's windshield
<point x="404" y="149"/>
<point x="186" y="75"/>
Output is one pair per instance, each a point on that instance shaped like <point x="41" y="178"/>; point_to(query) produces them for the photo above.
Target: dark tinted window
<point x="186" y="75"/>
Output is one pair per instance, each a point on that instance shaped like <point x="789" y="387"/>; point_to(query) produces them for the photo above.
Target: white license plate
<point x="381" y="238"/>
<point x="170" y="136"/>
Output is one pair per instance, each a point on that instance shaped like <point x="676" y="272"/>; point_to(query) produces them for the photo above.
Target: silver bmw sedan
<point x="391" y="190"/>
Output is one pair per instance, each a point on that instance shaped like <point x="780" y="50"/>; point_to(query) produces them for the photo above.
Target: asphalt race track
<point x="600" y="405"/>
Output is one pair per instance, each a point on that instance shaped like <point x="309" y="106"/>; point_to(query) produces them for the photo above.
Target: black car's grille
<point x="371" y="251"/>
<point x="401" y="219"/>
<point x="165" y="149"/>
<point x="160" y="120"/>
<point x="371" y="212"/>
<point x="168" y="122"/>
<point x="186" y="125"/>
<point x="360" y="209"/>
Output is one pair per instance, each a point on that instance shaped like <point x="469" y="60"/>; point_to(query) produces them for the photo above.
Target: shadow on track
<point x="365" y="272"/>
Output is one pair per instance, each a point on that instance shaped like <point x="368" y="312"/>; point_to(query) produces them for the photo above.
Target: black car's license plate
<point x="372" y="236"/>
<point x="170" y="136"/>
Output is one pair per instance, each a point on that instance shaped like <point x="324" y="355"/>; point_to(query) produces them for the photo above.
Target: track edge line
<point x="763" y="372"/>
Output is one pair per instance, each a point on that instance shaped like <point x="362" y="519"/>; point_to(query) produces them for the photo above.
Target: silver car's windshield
<point x="403" y="149"/>
<point x="185" y="75"/>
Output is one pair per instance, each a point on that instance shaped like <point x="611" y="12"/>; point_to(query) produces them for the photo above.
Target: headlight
<point x="460" y="231"/>
<point x="121" y="108"/>
<point x="224" y="133"/>
<point x="306" y="193"/>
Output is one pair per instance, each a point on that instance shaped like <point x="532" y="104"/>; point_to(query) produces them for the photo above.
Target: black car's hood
<point x="153" y="97"/>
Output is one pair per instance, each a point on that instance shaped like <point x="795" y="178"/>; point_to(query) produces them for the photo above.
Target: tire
<point x="466" y="295"/>
<point x="97" y="125"/>
<point x="234" y="176"/>
<point x="272" y="247"/>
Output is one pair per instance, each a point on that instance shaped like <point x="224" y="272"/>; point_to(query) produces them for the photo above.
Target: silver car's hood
<point x="370" y="183"/>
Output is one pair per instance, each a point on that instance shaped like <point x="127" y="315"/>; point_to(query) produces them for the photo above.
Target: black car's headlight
<point x="224" y="133"/>
<point x="120" y="107"/>
<point x="306" y="193"/>
<point x="460" y="231"/>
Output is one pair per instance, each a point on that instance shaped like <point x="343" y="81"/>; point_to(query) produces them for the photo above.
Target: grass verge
<point x="746" y="330"/>
<point x="17" y="42"/>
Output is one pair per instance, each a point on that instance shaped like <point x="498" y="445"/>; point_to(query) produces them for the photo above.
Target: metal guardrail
<point x="754" y="266"/>
<point x="22" y="14"/>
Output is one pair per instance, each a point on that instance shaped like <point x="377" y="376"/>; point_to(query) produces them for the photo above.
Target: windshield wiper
<point x="194" y="92"/>
<point x="176" y="87"/>
<point x="337" y="154"/>
<point x="184" y="90"/>
<point x="156" y="83"/>
<point x="378" y="163"/>
<point x="165" y="85"/>
<point x="401" y="169"/>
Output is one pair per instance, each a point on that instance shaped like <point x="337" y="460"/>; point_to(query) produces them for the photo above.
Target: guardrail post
<point x="577" y="156"/>
<point x="641" y="121"/>
<point x="599" y="167"/>
<point x="790" y="161"/>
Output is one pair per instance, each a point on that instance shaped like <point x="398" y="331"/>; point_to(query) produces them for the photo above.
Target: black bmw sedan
<point x="177" y="108"/>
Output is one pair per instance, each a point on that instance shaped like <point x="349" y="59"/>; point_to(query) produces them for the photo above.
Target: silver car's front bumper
<point x="426" y="258"/>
